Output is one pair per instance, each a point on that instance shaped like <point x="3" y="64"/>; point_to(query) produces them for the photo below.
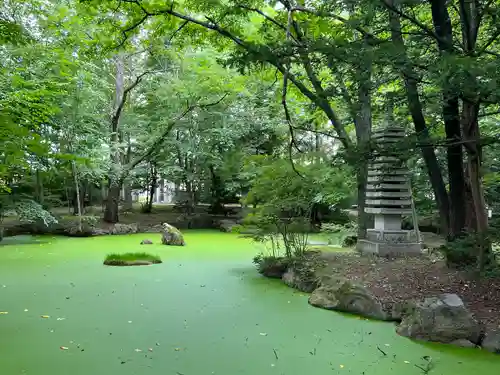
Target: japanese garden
<point x="249" y="187"/>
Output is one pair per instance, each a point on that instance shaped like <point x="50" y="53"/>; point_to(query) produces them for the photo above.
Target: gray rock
<point x="349" y="297"/>
<point x="463" y="343"/>
<point x="440" y="319"/>
<point x="298" y="280"/>
<point x="124" y="229"/>
<point x="491" y="342"/>
<point x="146" y="242"/>
<point x="226" y="225"/>
<point x="172" y="236"/>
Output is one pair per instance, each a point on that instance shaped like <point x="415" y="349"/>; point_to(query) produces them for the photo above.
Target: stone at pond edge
<point x="146" y="242"/>
<point x="303" y="272"/>
<point x="295" y="279"/>
<point x="226" y="225"/>
<point x="463" y="343"/>
<point x="345" y="296"/>
<point x="439" y="319"/>
<point x="124" y="229"/>
<point x="273" y="268"/>
<point x="171" y="236"/>
<point x="491" y="342"/>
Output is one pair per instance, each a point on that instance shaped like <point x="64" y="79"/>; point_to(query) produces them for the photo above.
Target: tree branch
<point x="116" y="116"/>
<point x="158" y="142"/>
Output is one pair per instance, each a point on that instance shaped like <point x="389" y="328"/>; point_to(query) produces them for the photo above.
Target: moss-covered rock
<point x="346" y="296"/>
<point x="172" y="236"/>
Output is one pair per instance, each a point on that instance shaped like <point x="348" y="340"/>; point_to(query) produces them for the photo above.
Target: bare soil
<point x="396" y="280"/>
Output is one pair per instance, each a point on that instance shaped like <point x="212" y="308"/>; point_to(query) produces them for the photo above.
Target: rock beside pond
<point x="272" y="267"/>
<point x="463" y="343"/>
<point x="172" y="236"/>
<point x="302" y="273"/>
<point x="226" y="225"/>
<point x="146" y="242"/>
<point x="124" y="229"/>
<point x="346" y="296"/>
<point x="491" y="342"/>
<point x="440" y="319"/>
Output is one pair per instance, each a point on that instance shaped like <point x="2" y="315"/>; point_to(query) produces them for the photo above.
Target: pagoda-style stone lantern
<point x="389" y="198"/>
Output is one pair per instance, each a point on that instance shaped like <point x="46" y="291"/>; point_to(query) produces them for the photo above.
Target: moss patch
<point x="131" y="259"/>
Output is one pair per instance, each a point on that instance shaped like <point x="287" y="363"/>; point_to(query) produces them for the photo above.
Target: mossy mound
<point x="131" y="259"/>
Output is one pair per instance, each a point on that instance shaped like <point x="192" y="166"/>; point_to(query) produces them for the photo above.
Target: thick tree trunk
<point x="39" y="187"/>
<point x="415" y="108"/>
<point x="127" y="199"/>
<point x="451" y="117"/>
<point x="472" y="144"/>
<point x="111" y="211"/>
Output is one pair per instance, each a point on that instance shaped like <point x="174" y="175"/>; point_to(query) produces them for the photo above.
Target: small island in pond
<point x="131" y="259"/>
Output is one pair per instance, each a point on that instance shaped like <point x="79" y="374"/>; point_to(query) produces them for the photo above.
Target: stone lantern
<point x="388" y="199"/>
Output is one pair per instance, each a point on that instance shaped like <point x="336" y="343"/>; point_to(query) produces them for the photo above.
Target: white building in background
<point x="164" y="193"/>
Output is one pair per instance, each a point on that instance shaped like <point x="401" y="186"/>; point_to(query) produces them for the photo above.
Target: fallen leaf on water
<point x="263" y="334"/>
<point x="177" y="349"/>
<point x="61" y="318"/>
<point x="341" y="366"/>
<point x="138" y="350"/>
<point x="4" y="312"/>
<point x="406" y="362"/>
<point x="63" y="348"/>
<point x="387" y="344"/>
<point x="150" y="349"/>
<point x="45" y="316"/>
<point x="129" y="321"/>
<point x="25" y="310"/>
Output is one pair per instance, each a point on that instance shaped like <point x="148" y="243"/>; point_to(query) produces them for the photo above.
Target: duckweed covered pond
<point x="205" y="310"/>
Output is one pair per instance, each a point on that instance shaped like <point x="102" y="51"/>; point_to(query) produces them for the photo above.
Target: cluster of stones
<point x="388" y="199"/>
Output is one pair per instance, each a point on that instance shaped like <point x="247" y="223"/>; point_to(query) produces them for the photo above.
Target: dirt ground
<point x="416" y="278"/>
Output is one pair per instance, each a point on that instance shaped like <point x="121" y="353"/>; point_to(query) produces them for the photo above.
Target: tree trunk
<point x="415" y="108"/>
<point x="111" y="211"/>
<point x="472" y="135"/>
<point x="451" y="117"/>
<point x="78" y="200"/>
<point x="127" y="199"/>
<point x="39" y="187"/>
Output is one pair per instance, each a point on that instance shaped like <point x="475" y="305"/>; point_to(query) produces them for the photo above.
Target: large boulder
<point x="440" y="319"/>
<point x="491" y="342"/>
<point x="172" y="236"/>
<point x="346" y="296"/>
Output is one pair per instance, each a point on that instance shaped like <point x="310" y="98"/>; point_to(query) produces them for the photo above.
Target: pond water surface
<point x="205" y="310"/>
